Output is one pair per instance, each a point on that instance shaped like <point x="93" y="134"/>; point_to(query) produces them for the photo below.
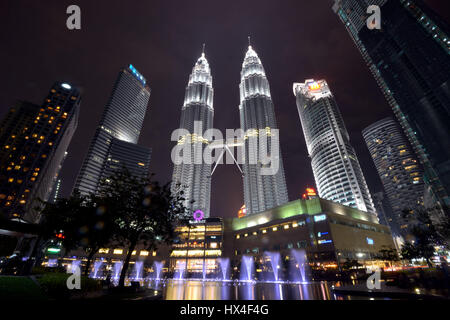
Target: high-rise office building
<point x="398" y="167"/>
<point x="410" y="60"/>
<point x="336" y="169"/>
<point x="257" y="116"/>
<point x="194" y="175"/>
<point x="34" y="140"/>
<point x="114" y="145"/>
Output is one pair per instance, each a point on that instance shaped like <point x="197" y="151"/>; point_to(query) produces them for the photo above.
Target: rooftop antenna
<point x="203" y="50"/>
<point x="249" y="41"/>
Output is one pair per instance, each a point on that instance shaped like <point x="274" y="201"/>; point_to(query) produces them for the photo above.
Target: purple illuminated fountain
<point x="138" y="266"/>
<point x="157" y="266"/>
<point x="247" y="266"/>
<point x="73" y="266"/>
<point x="275" y="263"/>
<point x="181" y="268"/>
<point x="97" y="266"/>
<point x="301" y="263"/>
<point x="224" y="266"/>
<point x="117" y="269"/>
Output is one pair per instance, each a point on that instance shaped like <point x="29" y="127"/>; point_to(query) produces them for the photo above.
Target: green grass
<point x="23" y="288"/>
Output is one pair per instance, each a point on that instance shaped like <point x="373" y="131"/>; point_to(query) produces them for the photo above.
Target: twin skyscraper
<point x="261" y="192"/>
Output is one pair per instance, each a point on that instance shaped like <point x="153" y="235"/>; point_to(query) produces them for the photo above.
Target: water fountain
<point x="181" y="266"/>
<point x="246" y="268"/>
<point x="224" y="265"/>
<point x="158" y="268"/>
<point x="138" y="266"/>
<point x="300" y="257"/>
<point x="204" y="270"/>
<point x="74" y="265"/>
<point x="97" y="265"/>
<point x="117" y="269"/>
<point x="275" y="263"/>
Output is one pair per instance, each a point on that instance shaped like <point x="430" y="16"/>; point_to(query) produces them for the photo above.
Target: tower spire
<point x="249" y="41"/>
<point x="203" y="49"/>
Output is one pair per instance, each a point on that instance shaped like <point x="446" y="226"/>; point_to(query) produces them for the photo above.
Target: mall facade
<point x="329" y="234"/>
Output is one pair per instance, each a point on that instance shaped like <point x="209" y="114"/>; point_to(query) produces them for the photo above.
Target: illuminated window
<point x="295" y="225"/>
<point x="118" y="251"/>
<point x="154" y="253"/>
<point x="133" y="253"/>
<point x="255" y="233"/>
<point x="264" y="231"/>
<point x="246" y="235"/>
<point x="144" y="253"/>
<point x="141" y="164"/>
<point x="213" y="245"/>
<point x="274" y="229"/>
<point x="103" y="250"/>
<point x="286" y="226"/>
<point x="11" y="180"/>
<point x="238" y="236"/>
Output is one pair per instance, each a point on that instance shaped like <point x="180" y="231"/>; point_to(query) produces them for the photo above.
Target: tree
<point x="83" y="221"/>
<point x="145" y="212"/>
<point x="428" y="230"/>
<point x="349" y="264"/>
<point x="387" y="254"/>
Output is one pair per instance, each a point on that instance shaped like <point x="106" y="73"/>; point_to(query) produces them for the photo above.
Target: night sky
<point x="296" y="40"/>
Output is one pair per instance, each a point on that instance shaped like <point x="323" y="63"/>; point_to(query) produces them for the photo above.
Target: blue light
<point x="324" y="241"/>
<point x="370" y="241"/>
<point x="321" y="217"/>
<point x="319" y="234"/>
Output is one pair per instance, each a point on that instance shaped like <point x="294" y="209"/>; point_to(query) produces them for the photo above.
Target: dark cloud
<point x="295" y="39"/>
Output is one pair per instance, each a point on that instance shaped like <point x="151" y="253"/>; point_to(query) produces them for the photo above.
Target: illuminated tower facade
<point x="257" y="117"/>
<point x="197" y="113"/>
<point x="409" y="58"/>
<point x="336" y="169"/>
<point x="114" y="145"/>
<point x="398" y="168"/>
<point x="34" y="140"/>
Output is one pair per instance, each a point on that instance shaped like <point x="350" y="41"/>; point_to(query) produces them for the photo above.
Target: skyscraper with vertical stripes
<point x="335" y="165"/>
<point x="257" y="117"/>
<point x="114" y="145"/>
<point x="197" y="113"/>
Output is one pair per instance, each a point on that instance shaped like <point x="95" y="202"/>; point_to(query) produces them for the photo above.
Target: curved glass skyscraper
<point x="257" y="116"/>
<point x="193" y="174"/>
<point x="336" y="169"/>
<point x="398" y="168"/>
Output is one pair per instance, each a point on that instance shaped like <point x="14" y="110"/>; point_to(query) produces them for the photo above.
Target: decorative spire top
<point x="203" y="50"/>
<point x="249" y="42"/>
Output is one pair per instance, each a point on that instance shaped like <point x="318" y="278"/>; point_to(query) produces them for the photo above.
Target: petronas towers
<point x="263" y="189"/>
<point x="194" y="175"/>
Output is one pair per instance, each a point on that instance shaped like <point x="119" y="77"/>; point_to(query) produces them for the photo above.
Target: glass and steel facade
<point x="336" y="169"/>
<point x="397" y="166"/>
<point x="193" y="175"/>
<point x="410" y="60"/>
<point x="115" y="141"/>
<point x="257" y="117"/>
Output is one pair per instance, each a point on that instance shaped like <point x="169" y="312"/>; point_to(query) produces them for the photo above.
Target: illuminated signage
<point x="324" y="241"/>
<point x="320" y="217"/>
<point x="309" y="194"/>
<point x="66" y="86"/>
<point x="319" y="234"/>
<point x="198" y="215"/>
<point x="370" y="241"/>
<point x="314" y="86"/>
<point x="242" y="212"/>
<point x="53" y="250"/>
